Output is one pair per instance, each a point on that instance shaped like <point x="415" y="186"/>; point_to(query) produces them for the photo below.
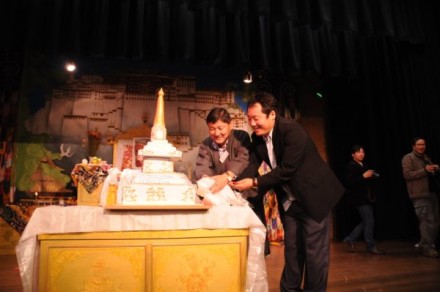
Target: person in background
<point x="224" y="155"/>
<point x="359" y="178"/>
<point x="305" y="187"/>
<point x="419" y="172"/>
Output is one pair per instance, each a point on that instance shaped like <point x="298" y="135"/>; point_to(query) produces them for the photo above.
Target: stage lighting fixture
<point x="247" y="78"/>
<point x="70" y="66"/>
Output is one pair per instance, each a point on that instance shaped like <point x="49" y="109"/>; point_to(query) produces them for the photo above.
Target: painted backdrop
<point x="67" y="117"/>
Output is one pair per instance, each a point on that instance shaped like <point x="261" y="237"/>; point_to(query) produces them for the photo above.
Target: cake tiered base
<point x="159" y="189"/>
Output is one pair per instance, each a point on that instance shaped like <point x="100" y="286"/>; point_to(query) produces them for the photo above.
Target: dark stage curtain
<point x="393" y="99"/>
<point x="378" y="61"/>
<point x="287" y="36"/>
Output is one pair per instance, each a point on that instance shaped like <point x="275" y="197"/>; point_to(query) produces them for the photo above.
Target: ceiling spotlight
<point x="70" y="66"/>
<point x="247" y="78"/>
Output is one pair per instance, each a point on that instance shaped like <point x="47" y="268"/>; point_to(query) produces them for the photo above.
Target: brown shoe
<point x="430" y="252"/>
<point x="376" y="250"/>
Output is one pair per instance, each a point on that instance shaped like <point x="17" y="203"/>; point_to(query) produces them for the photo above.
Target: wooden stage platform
<point x="400" y="269"/>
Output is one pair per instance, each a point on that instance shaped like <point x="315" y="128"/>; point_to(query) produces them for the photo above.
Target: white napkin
<point x="225" y="197"/>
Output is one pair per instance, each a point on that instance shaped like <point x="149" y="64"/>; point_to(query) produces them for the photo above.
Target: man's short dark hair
<point x="267" y="101"/>
<point x="414" y="140"/>
<point x="356" y="148"/>
<point x="218" y="114"/>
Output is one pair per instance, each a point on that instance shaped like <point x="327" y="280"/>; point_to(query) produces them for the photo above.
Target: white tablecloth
<point x="58" y="219"/>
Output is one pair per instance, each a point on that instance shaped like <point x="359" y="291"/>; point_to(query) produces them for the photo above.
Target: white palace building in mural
<point x="112" y="105"/>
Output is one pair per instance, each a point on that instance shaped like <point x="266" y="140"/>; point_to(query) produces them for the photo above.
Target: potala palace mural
<point x="91" y="115"/>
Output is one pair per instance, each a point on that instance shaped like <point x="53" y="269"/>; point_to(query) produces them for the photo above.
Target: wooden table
<point x="61" y="241"/>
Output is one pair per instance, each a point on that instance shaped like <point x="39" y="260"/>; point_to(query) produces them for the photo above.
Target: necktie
<point x="287" y="200"/>
<point x="270" y="153"/>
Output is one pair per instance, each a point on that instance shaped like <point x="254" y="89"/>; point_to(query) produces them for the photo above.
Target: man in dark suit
<point x="306" y="190"/>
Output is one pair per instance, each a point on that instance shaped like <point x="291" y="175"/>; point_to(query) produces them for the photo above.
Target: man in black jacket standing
<point x="306" y="190"/>
<point x="358" y="179"/>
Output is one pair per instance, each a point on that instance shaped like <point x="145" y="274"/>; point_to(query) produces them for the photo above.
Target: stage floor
<point x="400" y="269"/>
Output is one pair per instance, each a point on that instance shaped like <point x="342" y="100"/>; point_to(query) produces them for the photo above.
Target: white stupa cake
<point x="158" y="184"/>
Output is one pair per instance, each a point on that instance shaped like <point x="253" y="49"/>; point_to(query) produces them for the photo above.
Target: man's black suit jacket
<point x="299" y="166"/>
<point x="359" y="190"/>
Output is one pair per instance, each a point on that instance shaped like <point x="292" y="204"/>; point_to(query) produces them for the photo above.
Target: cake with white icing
<point x="159" y="189"/>
<point x="157" y="184"/>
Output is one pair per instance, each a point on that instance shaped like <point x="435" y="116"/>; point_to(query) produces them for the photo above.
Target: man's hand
<point x="242" y="185"/>
<point x="220" y="181"/>
<point x="368" y="173"/>
<point x="431" y="168"/>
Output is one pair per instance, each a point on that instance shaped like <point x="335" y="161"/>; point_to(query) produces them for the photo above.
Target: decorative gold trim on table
<point x="145" y="234"/>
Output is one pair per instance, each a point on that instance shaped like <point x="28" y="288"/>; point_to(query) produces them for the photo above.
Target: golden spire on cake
<point x="159" y="146"/>
<point x="159" y="131"/>
<point x="159" y="119"/>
